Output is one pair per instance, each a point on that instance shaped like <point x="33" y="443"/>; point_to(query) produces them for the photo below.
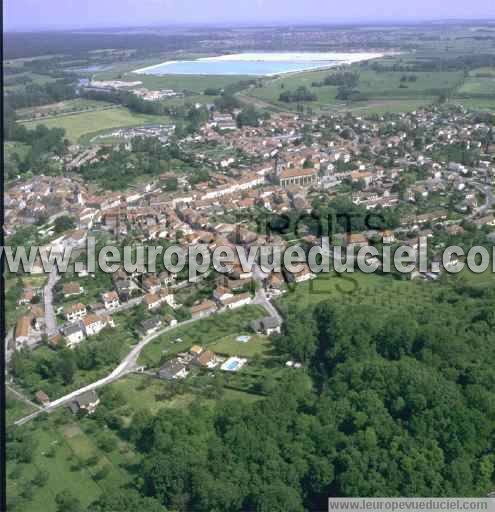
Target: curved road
<point x="129" y="363"/>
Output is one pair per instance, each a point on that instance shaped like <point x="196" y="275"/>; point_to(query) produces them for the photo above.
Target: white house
<point x="94" y="324"/>
<point x="74" y="334"/>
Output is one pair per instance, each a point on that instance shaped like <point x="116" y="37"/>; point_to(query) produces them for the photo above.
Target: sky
<point x="62" y="14"/>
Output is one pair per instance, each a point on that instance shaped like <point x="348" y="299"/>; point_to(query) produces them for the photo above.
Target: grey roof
<point x="72" y="329"/>
<point x="170" y="369"/>
<point x="270" y="322"/>
<point x="151" y="323"/>
<point x="87" y="398"/>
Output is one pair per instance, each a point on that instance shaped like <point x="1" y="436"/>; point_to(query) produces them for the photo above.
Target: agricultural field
<point x="203" y="332"/>
<point x="68" y="452"/>
<point x="385" y="92"/>
<point x="86" y="124"/>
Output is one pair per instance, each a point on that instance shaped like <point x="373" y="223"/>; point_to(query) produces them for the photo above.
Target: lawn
<point x="229" y="345"/>
<point x="203" y="332"/>
<point x="78" y="125"/>
<point x="61" y="450"/>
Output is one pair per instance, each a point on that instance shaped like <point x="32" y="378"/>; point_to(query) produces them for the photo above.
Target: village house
<point x="75" y="312"/>
<point x="110" y="300"/>
<point x="304" y="274"/>
<point x="173" y="370"/>
<point x="152" y="301"/>
<point x="195" y="350"/>
<point x="388" y="236"/>
<point x="151" y="325"/>
<point x="71" y="289"/>
<point x="236" y="301"/>
<point x="74" y="334"/>
<point x="268" y="325"/>
<point x="220" y="293"/>
<point x="152" y="284"/>
<point x="207" y="359"/>
<point x="87" y="402"/>
<point x="94" y="324"/>
<point x="203" y="309"/>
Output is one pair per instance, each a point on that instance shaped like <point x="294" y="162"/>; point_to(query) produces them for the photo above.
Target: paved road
<point x="50" y="318"/>
<point x="129" y="363"/>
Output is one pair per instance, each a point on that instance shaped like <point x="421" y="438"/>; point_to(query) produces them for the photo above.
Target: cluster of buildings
<point x="382" y="163"/>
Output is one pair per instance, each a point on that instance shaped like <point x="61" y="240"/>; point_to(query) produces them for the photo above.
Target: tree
<point x="40" y="478"/>
<point x="67" y="502"/>
<point x="64" y="223"/>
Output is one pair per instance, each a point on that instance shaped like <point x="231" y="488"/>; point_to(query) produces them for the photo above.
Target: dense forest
<point x="397" y="403"/>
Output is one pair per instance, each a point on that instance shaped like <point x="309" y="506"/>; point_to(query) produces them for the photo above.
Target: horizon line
<point x="248" y="24"/>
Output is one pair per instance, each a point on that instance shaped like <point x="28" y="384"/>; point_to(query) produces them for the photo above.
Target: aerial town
<point x="252" y="389"/>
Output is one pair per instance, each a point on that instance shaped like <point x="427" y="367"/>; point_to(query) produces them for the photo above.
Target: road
<point x="50" y="318"/>
<point x="129" y="363"/>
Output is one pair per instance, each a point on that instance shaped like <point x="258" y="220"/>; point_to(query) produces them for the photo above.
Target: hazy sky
<point x="32" y="14"/>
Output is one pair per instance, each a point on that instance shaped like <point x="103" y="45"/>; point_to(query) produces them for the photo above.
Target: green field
<point x="478" y="86"/>
<point x="229" y="345"/>
<point x="192" y="83"/>
<point x="203" y="332"/>
<point x="86" y="124"/>
<point x="361" y="289"/>
<point x="486" y="104"/>
<point x="384" y="91"/>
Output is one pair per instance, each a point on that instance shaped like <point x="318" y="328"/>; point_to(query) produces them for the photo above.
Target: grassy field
<point x="229" y="345"/>
<point x="85" y="124"/>
<point x="361" y="289"/>
<point x="475" y="103"/>
<point x="383" y="90"/>
<point x="204" y="332"/>
<point x="478" y="86"/>
<point x="62" y="447"/>
<point x="192" y="83"/>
